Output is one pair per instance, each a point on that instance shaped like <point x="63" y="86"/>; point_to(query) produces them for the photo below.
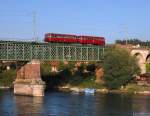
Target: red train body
<point x="66" y="38"/>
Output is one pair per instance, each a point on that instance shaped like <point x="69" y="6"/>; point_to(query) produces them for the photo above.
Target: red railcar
<point x="86" y="40"/>
<point x="99" y="40"/>
<point x="63" y="38"/>
<point x="67" y="38"/>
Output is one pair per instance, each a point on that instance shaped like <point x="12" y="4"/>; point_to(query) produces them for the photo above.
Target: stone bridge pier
<point x="28" y="80"/>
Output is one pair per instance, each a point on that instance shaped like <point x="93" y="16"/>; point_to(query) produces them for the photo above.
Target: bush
<point x="45" y="69"/>
<point x="91" y="67"/>
<point x="67" y="75"/>
<point x="119" y="68"/>
<point x="131" y="88"/>
<point x="63" y="66"/>
<point x="7" y="77"/>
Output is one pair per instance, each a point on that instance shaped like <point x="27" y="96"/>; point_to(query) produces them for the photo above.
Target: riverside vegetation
<point x="69" y="75"/>
<point x="120" y="70"/>
<point x="7" y="76"/>
<point x="119" y="67"/>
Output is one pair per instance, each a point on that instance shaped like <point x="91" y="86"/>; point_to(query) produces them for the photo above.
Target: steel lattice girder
<point x="26" y="51"/>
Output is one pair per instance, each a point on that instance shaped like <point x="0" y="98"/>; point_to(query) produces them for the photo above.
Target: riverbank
<point x="129" y="89"/>
<point x="5" y="87"/>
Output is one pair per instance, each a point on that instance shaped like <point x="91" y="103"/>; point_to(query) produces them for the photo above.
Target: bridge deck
<point x="26" y="51"/>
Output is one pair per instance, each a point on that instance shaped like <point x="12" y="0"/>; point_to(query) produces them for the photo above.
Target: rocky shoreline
<point x="5" y="87"/>
<point x="81" y="90"/>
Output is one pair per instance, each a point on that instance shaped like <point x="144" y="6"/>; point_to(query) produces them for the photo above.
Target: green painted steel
<point x="26" y="51"/>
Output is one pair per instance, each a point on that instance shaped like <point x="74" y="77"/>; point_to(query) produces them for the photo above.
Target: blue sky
<point x="113" y="19"/>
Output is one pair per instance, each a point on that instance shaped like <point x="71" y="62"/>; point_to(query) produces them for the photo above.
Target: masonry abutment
<point x="28" y="80"/>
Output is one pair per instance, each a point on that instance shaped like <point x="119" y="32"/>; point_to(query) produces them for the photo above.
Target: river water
<point x="69" y="104"/>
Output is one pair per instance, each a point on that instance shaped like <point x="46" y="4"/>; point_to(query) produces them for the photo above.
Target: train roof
<point x="60" y="34"/>
<point x="47" y="34"/>
<point x="92" y="36"/>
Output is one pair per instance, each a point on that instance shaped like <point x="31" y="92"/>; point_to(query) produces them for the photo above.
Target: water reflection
<point x="6" y="103"/>
<point x="67" y="104"/>
<point x="141" y="104"/>
<point x="114" y="105"/>
<point x="26" y="106"/>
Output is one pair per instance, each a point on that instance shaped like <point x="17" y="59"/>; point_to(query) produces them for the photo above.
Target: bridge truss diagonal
<point x="26" y="51"/>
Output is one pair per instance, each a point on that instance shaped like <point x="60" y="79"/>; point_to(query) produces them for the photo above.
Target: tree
<point x="7" y="77"/>
<point x="148" y="68"/>
<point x="119" y="68"/>
<point x="134" y="42"/>
<point x="45" y="69"/>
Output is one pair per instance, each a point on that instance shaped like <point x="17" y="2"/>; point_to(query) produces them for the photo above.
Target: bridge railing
<point x="26" y="51"/>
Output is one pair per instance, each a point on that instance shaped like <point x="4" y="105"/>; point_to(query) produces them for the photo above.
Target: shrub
<point x="45" y="69"/>
<point x="119" y="68"/>
<point x="7" y="77"/>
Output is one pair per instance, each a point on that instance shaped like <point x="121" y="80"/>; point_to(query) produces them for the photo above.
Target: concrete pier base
<point x="28" y="80"/>
<point x="29" y="87"/>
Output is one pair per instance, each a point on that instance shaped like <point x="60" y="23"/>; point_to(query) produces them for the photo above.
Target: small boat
<point x="89" y="91"/>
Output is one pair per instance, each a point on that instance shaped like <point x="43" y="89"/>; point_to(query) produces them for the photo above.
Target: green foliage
<point x="119" y="68"/>
<point x="54" y="79"/>
<point x="7" y="77"/>
<point x="67" y="75"/>
<point x="91" y="67"/>
<point x="45" y="69"/>
<point x="137" y="88"/>
<point x="80" y="70"/>
<point x="0" y="68"/>
<point x="88" y="82"/>
<point x="63" y="66"/>
<point x="131" y="88"/>
<point x="148" y="67"/>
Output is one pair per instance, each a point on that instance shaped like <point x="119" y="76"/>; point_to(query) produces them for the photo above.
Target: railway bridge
<point x="28" y="80"/>
<point x="27" y="51"/>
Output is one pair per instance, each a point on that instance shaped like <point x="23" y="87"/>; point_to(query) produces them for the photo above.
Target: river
<point x="69" y="104"/>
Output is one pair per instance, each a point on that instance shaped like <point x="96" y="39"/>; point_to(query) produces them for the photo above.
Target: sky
<point x="112" y="19"/>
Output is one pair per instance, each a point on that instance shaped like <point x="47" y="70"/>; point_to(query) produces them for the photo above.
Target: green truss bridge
<point x="26" y="51"/>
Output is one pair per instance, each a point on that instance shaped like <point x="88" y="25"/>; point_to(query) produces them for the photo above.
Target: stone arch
<point x="141" y="62"/>
<point x="139" y="57"/>
<point x="142" y="55"/>
<point x="148" y="58"/>
<point x="148" y="63"/>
